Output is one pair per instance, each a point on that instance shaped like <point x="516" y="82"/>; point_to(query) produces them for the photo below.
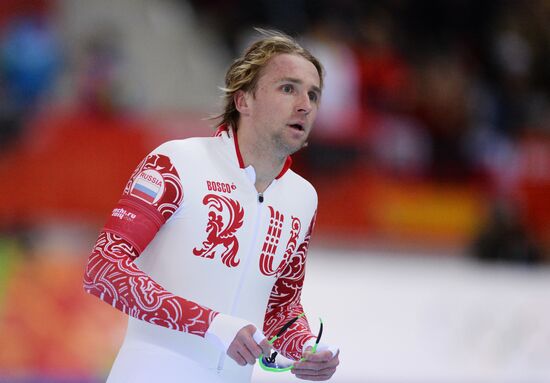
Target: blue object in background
<point x="30" y="60"/>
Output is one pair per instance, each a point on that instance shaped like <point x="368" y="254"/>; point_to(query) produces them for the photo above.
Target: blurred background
<point x="431" y="157"/>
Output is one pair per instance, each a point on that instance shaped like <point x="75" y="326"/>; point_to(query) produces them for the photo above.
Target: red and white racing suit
<point x="193" y="251"/>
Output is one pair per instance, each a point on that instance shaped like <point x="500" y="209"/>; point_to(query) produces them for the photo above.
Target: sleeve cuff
<point x="223" y="329"/>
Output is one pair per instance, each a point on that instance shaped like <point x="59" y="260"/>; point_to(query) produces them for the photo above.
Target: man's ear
<point x="242" y="102"/>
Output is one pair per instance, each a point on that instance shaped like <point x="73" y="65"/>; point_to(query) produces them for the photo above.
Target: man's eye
<point x="313" y="96"/>
<point x="287" y="88"/>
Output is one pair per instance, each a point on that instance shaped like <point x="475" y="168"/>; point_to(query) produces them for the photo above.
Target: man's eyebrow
<point x="315" y="88"/>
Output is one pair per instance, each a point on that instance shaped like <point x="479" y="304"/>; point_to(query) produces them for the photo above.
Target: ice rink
<point x="406" y="318"/>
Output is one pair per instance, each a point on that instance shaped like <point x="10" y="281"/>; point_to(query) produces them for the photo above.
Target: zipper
<point x="221" y="360"/>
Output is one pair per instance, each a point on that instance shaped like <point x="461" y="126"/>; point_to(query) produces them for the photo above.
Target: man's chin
<point x="295" y="147"/>
<point x="291" y="145"/>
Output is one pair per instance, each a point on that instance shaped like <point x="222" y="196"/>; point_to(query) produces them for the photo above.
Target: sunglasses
<point x="272" y="363"/>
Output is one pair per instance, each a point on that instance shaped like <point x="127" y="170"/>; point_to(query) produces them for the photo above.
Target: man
<point x="211" y="234"/>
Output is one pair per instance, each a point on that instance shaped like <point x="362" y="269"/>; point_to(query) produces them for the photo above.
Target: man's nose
<point x="304" y="105"/>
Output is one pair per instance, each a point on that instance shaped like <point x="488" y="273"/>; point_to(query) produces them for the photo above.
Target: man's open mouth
<point x="297" y="127"/>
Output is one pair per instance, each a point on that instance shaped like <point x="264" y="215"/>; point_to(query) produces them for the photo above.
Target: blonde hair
<point x="245" y="71"/>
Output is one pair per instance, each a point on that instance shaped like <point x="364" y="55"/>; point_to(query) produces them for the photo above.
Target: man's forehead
<point x="291" y="66"/>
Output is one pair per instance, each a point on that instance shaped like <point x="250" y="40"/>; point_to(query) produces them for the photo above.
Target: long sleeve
<point x="151" y="196"/>
<point x="284" y="303"/>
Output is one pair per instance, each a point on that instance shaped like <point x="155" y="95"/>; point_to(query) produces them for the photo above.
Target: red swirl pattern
<point x="112" y="275"/>
<point x="284" y="303"/>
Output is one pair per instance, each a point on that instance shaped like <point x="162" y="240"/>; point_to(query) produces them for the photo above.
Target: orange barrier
<point x="373" y="207"/>
<point x="74" y="167"/>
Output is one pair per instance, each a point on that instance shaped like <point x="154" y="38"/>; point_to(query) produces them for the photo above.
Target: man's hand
<point x="316" y="366"/>
<point x="244" y="349"/>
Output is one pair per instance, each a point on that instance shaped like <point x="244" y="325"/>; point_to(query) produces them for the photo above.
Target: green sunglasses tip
<point x="272" y="340"/>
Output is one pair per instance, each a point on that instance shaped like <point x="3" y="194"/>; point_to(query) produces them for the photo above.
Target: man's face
<point x="285" y="103"/>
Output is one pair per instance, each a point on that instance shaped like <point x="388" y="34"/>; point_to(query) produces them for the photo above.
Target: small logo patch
<point x="148" y="186"/>
<point x="122" y="214"/>
<point x="220" y="186"/>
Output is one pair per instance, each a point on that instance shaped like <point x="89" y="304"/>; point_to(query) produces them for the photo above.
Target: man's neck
<point x="267" y="164"/>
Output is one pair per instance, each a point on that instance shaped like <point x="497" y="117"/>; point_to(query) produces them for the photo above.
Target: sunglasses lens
<point x="277" y="362"/>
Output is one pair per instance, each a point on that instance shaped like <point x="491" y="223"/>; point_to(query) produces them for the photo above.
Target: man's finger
<point x="252" y="351"/>
<point x="261" y="340"/>
<point x="314" y="368"/>
<point x="237" y="357"/>
<point x="247" y="355"/>
<point x="314" y="378"/>
<point x="253" y="348"/>
<point x="321" y="356"/>
<point x="265" y="346"/>
<point x="314" y="374"/>
<point x="308" y="365"/>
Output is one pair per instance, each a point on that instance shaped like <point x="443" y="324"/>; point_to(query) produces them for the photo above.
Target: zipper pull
<point x="260" y="197"/>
